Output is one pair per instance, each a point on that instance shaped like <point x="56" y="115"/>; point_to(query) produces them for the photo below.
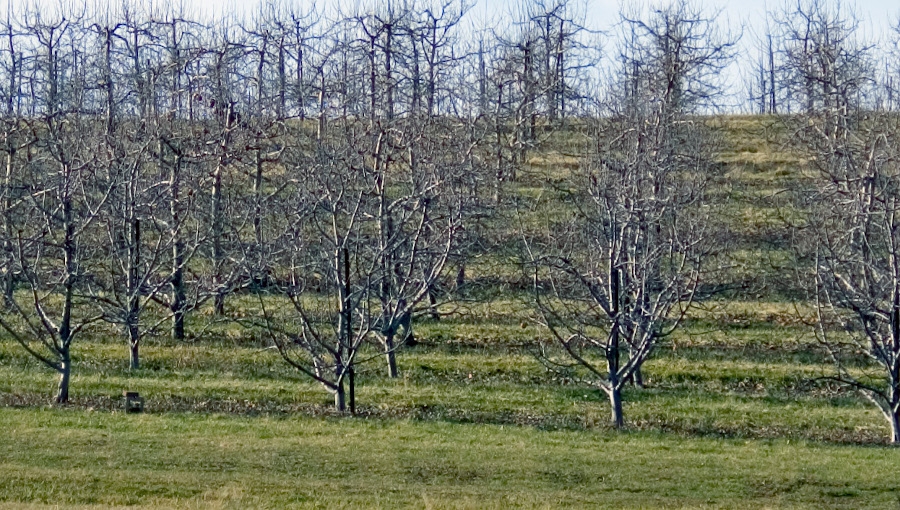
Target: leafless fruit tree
<point x="852" y="206"/>
<point x="619" y="273"/>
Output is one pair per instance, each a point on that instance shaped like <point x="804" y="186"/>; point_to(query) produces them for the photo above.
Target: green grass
<point x="477" y="366"/>
<point x="732" y="417"/>
<point x="737" y="411"/>
<point x="751" y="378"/>
<point x="79" y="458"/>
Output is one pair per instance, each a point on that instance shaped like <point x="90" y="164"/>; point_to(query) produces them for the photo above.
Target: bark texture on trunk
<point x="391" y="354"/>
<point x="895" y="428"/>
<point x="340" y="401"/>
<point x="65" y="373"/>
<point x="615" y="401"/>
<point x="134" y="340"/>
<point x="179" y="299"/>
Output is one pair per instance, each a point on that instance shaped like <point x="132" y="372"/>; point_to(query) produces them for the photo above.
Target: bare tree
<point x="621" y="273"/>
<point x="853" y="209"/>
<point x="433" y="37"/>
<point x="822" y="58"/>
<point x="418" y="218"/>
<point x="854" y="216"/>
<point x="56" y="207"/>
<point x="16" y="137"/>
<point x="762" y="82"/>
<point x="128" y="270"/>
<point x="327" y="280"/>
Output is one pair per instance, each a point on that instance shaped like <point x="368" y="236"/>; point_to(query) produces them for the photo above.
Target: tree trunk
<point x="460" y="277"/>
<point x="282" y="81"/>
<point x="432" y="305"/>
<point x="391" y="354"/>
<point x="179" y="300"/>
<point x="612" y="350"/>
<point x="531" y="110"/>
<point x="637" y="378"/>
<point x="134" y="294"/>
<point x="110" y="95"/>
<point x="70" y="256"/>
<point x="498" y="182"/>
<point x="482" y="80"/>
<point x="559" y="101"/>
<point x="615" y="401"/>
<point x="345" y="330"/>
<point x="134" y="343"/>
<point x="431" y="76"/>
<point x="257" y="198"/>
<point x="373" y="90"/>
<point x="218" y="252"/>
<point x="65" y="372"/>
<point x="409" y="337"/>
<point x="9" y="286"/>
<point x="301" y="90"/>
<point x="178" y="294"/>
<point x="13" y="73"/>
<point x="320" y="131"/>
<point x="772" y="103"/>
<point x="9" y="281"/>
<point x="895" y="427"/>
<point x="176" y="66"/>
<point x="389" y="83"/>
<point x="219" y="304"/>
<point x="416" y="79"/>
<point x="340" y="397"/>
<point x="351" y="383"/>
<point x="260" y="89"/>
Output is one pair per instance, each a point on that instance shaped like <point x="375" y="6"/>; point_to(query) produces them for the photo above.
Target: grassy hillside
<point x="737" y="411"/>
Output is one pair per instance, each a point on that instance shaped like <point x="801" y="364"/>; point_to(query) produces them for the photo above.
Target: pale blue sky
<point x="747" y="17"/>
<point x="603" y="12"/>
<point x="877" y="18"/>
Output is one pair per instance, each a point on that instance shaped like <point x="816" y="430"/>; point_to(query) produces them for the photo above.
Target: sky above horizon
<point x="877" y="17"/>
<point x="881" y="14"/>
<point x="747" y="18"/>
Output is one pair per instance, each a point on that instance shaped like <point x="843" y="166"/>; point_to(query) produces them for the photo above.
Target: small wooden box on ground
<point x="134" y="403"/>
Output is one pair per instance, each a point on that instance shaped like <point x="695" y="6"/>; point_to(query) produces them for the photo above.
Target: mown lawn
<point x="75" y="457"/>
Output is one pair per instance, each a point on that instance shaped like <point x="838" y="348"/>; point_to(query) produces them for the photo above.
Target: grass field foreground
<point x="76" y="458"/>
